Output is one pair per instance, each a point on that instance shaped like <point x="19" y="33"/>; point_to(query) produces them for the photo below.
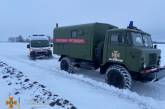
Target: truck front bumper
<point x="40" y="53"/>
<point x="154" y="74"/>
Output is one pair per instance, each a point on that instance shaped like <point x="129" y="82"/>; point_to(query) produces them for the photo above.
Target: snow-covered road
<point x="86" y="89"/>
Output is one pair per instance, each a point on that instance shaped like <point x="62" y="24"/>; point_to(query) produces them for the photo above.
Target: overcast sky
<point x="27" y="17"/>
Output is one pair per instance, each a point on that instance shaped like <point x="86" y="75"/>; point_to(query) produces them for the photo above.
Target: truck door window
<point x="117" y="39"/>
<point x="74" y="33"/>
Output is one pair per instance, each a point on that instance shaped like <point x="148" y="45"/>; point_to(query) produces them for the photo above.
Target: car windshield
<point x="141" y="39"/>
<point x="39" y="43"/>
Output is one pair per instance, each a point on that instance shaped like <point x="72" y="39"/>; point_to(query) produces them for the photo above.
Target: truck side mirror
<point x="51" y="45"/>
<point x="28" y="46"/>
<point x="155" y="46"/>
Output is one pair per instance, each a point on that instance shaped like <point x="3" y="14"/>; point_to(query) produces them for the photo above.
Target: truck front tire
<point x="66" y="65"/>
<point x="119" y="77"/>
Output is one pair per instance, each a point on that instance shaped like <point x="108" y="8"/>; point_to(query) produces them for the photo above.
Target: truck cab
<point x="133" y="49"/>
<point x="39" y="46"/>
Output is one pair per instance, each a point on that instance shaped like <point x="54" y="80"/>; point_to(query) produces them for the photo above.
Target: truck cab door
<point x="116" y="47"/>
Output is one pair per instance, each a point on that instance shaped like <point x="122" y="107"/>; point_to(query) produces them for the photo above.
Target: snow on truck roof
<point x="39" y="38"/>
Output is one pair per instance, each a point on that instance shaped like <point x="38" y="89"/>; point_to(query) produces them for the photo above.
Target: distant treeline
<point x="20" y="38"/>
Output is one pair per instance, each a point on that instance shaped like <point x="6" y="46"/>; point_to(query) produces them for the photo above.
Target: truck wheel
<point x="119" y="77"/>
<point x="32" y="55"/>
<point x="66" y="65"/>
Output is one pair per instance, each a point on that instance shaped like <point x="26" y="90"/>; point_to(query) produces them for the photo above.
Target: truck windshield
<point x="147" y="41"/>
<point x="137" y="39"/>
<point x="39" y="43"/>
<point x="141" y="39"/>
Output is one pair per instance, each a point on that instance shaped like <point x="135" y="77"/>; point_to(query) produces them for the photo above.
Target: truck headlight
<point x="144" y="65"/>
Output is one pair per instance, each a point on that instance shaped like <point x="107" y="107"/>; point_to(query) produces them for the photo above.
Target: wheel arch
<point x="104" y="67"/>
<point x="62" y="56"/>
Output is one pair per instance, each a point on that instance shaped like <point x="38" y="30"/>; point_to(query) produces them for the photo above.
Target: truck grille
<point x="152" y="59"/>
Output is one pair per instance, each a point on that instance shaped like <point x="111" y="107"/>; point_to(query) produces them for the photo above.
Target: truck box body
<point x="80" y="41"/>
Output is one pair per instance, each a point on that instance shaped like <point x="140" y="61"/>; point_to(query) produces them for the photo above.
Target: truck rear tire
<point x="119" y="77"/>
<point x="66" y="65"/>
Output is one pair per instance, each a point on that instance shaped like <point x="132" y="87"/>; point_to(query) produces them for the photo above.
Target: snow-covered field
<point x="84" y="90"/>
